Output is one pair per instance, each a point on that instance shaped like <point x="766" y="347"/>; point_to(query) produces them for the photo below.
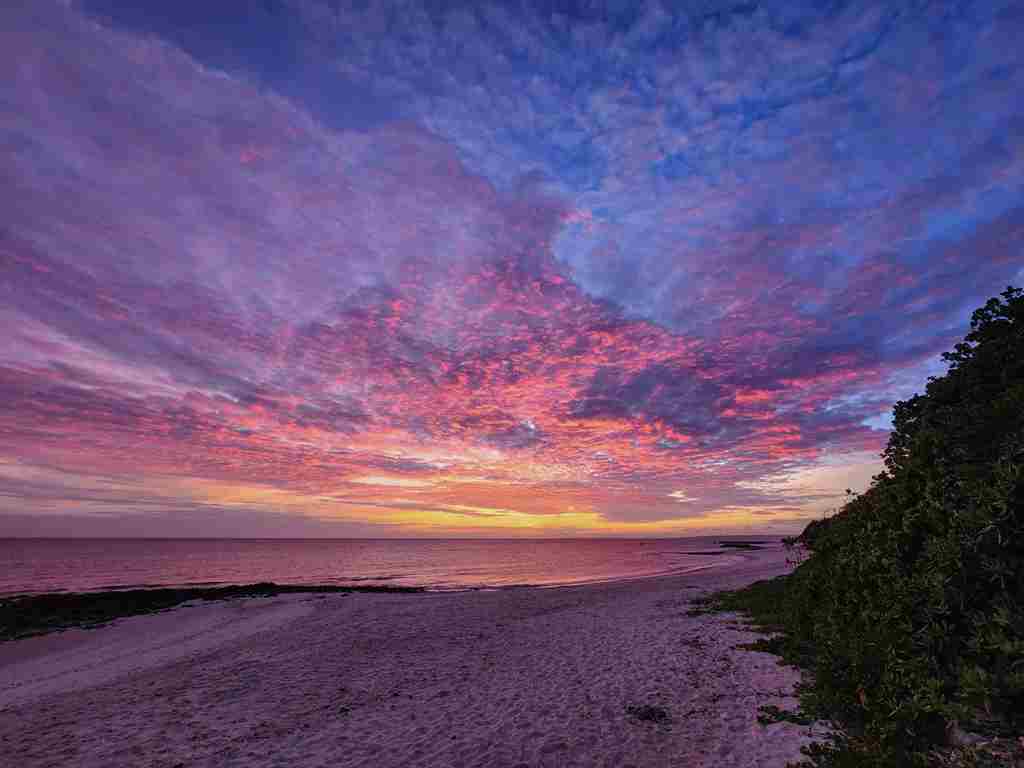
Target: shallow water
<point x="46" y="565"/>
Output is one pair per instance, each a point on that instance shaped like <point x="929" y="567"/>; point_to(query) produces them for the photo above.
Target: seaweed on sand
<point x="27" y="615"/>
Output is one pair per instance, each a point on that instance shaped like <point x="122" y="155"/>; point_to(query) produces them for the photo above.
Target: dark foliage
<point x="26" y="615"/>
<point x="909" y="611"/>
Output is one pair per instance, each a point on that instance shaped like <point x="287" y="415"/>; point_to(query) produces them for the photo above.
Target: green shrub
<point x="908" y="612"/>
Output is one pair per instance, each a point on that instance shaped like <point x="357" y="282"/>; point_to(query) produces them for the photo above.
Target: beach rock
<point x="649" y="713"/>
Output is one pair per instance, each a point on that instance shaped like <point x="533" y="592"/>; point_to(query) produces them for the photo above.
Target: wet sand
<point x="513" y="677"/>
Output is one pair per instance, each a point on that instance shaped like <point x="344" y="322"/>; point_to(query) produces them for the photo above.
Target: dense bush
<point x="909" y="611"/>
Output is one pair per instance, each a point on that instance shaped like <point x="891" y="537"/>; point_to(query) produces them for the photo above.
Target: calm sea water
<point x="48" y="565"/>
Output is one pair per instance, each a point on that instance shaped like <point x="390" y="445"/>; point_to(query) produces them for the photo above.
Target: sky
<point x="327" y="268"/>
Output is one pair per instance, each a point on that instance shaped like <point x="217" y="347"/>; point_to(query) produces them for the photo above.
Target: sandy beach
<point x="514" y="677"/>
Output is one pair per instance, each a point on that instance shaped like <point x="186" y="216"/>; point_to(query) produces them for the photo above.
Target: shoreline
<point x="65" y="566"/>
<point x="30" y="614"/>
<point x="358" y="587"/>
<point x="536" y="676"/>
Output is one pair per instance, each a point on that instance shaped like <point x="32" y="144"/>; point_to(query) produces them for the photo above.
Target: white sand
<point x="524" y="677"/>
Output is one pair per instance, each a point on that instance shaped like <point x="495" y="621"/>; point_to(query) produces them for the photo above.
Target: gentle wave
<point x="52" y="565"/>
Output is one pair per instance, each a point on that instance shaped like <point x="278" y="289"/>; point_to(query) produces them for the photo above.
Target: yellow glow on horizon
<point x="422" y="512"/>
<point x="462" y="504"/>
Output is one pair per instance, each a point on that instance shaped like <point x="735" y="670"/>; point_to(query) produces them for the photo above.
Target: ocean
<point x="62" y="565"/>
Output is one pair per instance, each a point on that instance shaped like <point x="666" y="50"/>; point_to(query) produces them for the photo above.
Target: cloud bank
<point x="486" y="268"/>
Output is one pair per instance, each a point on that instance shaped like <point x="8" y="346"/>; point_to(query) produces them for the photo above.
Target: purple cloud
<point x="457" y="268"/>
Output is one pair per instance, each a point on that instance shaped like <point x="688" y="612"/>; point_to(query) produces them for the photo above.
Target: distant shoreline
<point x="38" y="567"/>
<point x="757" y="538"/>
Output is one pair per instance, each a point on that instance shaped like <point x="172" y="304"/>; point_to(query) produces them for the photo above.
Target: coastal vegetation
<point x="907" y="611"/>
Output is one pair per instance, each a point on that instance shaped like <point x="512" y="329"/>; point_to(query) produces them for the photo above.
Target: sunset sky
<point x="321" y="268"/>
